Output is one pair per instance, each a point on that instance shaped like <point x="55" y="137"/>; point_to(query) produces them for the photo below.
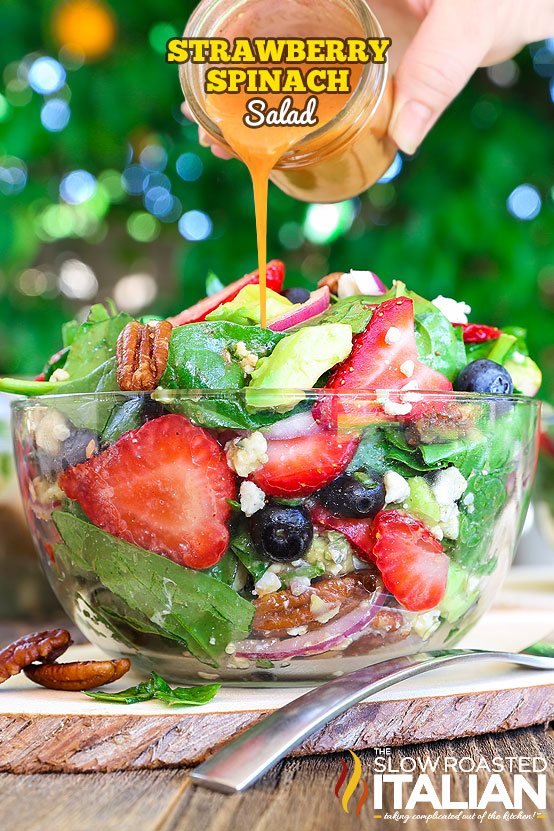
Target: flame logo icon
<point x="352" y="784"/>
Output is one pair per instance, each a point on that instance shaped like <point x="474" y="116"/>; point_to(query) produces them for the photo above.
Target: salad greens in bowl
<point x="223" y="501"/>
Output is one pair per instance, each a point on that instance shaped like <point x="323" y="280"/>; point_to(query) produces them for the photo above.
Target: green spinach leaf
<point x="158" y="688"/>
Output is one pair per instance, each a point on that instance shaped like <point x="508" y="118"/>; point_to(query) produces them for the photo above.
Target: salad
<point x="222" y="499"/>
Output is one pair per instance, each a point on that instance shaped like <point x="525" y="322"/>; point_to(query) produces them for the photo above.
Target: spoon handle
<point x="241" y="762"/>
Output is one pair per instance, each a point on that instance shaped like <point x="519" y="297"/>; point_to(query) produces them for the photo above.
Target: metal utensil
<point x="241" y="762"/>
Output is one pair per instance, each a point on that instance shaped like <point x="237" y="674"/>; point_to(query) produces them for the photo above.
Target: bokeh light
<point x="133" y="178"/>
<point x="524" y="202"/>
<point x="159" y="34"/>
<point x="324" y="223"/>
<point x="46" y="75"/>
<point x="142" y="226"/>
<point x="393" y="170"/>
<point x="85" y="28"/>
<point x="153" y="157"/>
<point x="77" y="280"/>
<point x="158" y="201"/>
<point x="195" y="226"/>
<point x="291" y="235"/>
<point x="135" y="291"/>
<point x="13" y="175"/>
<point x="189" y="167"/>
<point x="55" y="115"/>
<point x="77" y="187"/>
<point x="504" y="74"/>
<point x="4" y="108"/>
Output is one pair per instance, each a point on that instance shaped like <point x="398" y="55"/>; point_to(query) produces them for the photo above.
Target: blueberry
<point x="349" y="496"/>
<point x="282" y="533"/>
<point x="486" y="377"/>
<point x="296" y="294"/>
<point x="151" y="409"/>
<point x="79" y="446"/>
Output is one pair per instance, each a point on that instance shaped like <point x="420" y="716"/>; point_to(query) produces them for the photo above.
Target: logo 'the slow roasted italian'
<point x="352" y="784"/>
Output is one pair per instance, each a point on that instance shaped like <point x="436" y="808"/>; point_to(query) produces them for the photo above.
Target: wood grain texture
<point x="43" y="743"/>
<point x="297" y="795"/>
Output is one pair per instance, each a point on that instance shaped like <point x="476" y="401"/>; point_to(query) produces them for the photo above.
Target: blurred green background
<point x="104" y="190"/>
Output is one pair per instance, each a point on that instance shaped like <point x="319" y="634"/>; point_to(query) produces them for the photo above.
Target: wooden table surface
<point x="297" y="794"/>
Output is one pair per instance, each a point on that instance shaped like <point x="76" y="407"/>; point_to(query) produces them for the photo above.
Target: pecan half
<point x="284" y="610"/>
<point x="454" y="421"/>
<point x="331" y="280"/>
<point x="38" y="646"/>
<point x="142" y="351"/>
<point x="78" y="675"/>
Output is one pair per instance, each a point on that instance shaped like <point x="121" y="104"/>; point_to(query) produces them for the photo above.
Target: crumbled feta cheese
<point x="392" y="335"/>
<point x="252" y="498"/>
<point x="423" y="625"/>
<point x="231" y="648"/>
<point x="332" y="551"/>
<point x="394" y="408"/>
<point x="209" y="676"/>
<point x="51" y="430"/>
<point x="407" y="368"/>
<point x="381" y="396"/>
<point x="60" y="375"/>
<point x="448" y="485"/>
<point x="299" y="585"/>
<point x="396" y="487"/>
<point x="297" y="630"/>
<point x="268" y="583"/>
<point x="411" y="385"/>
<point x="469" y="499"/>
<point x="246" y="455"/>
<point x="356" y="282"/>
<point x="450" y="520"/>
<point x="238" y="663"/>
<point x="455" y="311"/>
<point x="437" y="532"/>
<point x="248" y="359"/>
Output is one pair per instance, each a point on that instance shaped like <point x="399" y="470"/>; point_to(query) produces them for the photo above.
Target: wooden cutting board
<point x="42" y="730"/>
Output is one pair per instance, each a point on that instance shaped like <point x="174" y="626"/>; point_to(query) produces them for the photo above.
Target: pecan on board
<point x="141" y="352"/>
<point x="38" y="646"/>
<point x="78" y="675"/>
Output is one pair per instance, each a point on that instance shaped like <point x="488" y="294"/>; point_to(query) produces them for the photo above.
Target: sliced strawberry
<point x="298" y="467"/>
<point x="383" y="357"/>
<point x="478" y="332"/>
<point x="162" y="487"/>
<point x="411" y="560"/>
<point x="358" y="531"/>
<point x="275" y="275"/>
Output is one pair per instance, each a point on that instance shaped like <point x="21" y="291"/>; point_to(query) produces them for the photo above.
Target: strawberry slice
<point x="298" y="467"/>
<point x="162" y="487"/>
<point x="383" y="357"/>
<point x="357" y="531"/>
<point x="478" y="332"/>
<point x="275" y="275"/>
<point x="411" y="560"/>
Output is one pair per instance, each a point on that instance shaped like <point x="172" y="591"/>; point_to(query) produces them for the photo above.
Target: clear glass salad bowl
<point x="543" y="494"/>
<point x="325" y="532"/>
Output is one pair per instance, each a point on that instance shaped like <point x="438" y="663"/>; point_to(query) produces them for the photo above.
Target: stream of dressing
<point x="261" y="148"/>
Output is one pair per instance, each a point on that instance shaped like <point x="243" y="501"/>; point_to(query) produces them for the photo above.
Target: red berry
<point x="412" y="563"/>
<point x="298" y="467"/>
<point x="357" y="531"/>
<point x="387" y="344"/>
<point x="275" y="275"/>
<point x="162" y="487"/>
<point x="478" y="333"/>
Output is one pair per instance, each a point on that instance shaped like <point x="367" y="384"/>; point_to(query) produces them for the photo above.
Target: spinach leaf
<point x="202" y="357"/>
<point x="125" y="416"/>
<point x="225" y="570"/>
<point x="244" y="548"/>
<point x="187" y="604"/>
<point x="157" y="688"/>
<point x="93" y="344"/>
<point x="356" y="311"/>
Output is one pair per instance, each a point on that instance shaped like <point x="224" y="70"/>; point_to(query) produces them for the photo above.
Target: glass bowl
<point x="158" y="550"/>
<point x="543" y="493"/>
<point x="24" y="591"/>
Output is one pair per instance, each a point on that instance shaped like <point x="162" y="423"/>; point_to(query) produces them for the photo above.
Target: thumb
<point x="449" y="45"/>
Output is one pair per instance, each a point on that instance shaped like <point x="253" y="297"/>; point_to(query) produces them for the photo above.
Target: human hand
<point x="438" y="44"/>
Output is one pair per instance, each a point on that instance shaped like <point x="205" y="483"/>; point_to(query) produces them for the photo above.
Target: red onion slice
<point x="293" y="427"/>
<point x="320" y="640"/>
<point x="316" y="305"/>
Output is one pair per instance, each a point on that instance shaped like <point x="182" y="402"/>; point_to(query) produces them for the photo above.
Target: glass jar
<point x="338" y="160"/>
